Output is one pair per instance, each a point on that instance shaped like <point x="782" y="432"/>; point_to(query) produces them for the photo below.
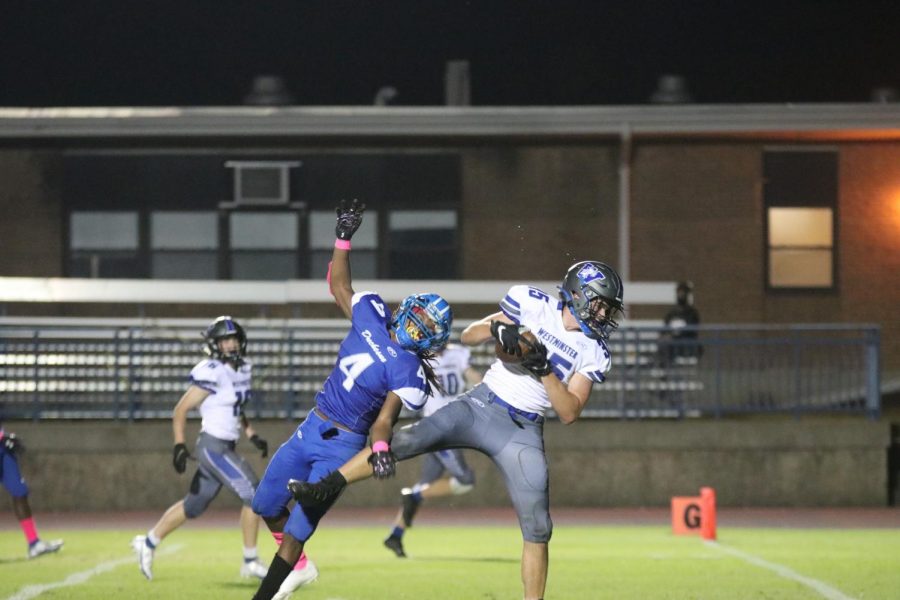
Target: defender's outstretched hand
<point x="349" y="218"/>
<point x="384" y="464"/>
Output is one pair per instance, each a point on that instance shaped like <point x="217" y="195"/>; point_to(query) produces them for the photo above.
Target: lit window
<point x="800" y="247"/>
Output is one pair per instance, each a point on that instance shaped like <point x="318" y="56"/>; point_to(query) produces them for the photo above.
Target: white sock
<point x="250" y="554"/>
<point x="153" y="539"/>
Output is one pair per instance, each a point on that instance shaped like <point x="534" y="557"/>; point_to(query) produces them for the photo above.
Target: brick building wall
<point x="31" y="223"/>
<point x="529" y="210"/>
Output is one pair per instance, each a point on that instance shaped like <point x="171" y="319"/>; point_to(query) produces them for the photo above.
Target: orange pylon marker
<point x="687" y="512"/>
<point x="708" y="513"/>
<point x="695" y="515"/>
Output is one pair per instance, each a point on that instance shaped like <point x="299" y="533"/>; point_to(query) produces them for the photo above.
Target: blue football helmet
<point x="223" y="327"/>
<point x="593" y="292"/>
<point x="422" y="323"/>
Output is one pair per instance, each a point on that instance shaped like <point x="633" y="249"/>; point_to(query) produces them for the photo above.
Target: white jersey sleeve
<point x="229" y="390"/>
<point x="569" y="352"/>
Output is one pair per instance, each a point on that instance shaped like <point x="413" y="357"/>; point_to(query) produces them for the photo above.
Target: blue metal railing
<point x="120" y="371"/>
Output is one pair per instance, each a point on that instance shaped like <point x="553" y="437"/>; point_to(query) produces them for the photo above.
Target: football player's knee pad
<point x="537" y="528"/>
<point x="458" y="488"/>
<point x="199" y="497"/>
<point x="195" y="505"/>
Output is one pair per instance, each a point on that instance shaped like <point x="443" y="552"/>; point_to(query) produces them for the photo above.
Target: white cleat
<point x="144" y="555"/>
<point x="254" y="568"/>
<point x="41" y="547"/>
<point x="297" y="579"/>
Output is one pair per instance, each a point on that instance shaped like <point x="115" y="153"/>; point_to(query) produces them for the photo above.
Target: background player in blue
<point x="381" y="365"/>
<point x="220" y="386"/>
<point x="445" y="472"/>
<point x="15" y="484"/>
<point x="503" y="417"/>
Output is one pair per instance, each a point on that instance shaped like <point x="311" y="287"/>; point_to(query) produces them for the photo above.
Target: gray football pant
<point x="219" y="465"/>
<point x="514" y="443"/>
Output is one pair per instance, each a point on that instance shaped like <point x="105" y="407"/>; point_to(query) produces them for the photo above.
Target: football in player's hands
<point x="524" y="344"/>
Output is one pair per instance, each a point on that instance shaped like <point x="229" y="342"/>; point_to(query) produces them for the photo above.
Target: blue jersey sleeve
<point x="369" y="311"/>
<point x="406" y="378"/>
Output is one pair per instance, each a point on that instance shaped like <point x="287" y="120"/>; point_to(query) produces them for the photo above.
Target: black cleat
<point x="318" y="495"/>
<point x="410" y="507"/>
<point x="395" y="544"/>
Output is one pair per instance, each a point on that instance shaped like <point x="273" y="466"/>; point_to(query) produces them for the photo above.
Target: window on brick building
<point x="800" y="192"/>
<point x="104" y="244"/>
<point x="184" y="244"/>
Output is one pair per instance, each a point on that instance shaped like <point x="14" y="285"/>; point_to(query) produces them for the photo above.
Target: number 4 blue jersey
<point x="369" y="365"/>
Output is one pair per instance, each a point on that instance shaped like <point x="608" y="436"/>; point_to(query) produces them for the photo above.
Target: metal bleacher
<point x="132" y="369"/>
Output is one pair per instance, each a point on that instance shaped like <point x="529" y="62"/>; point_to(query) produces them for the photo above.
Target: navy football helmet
<point x="223" y="327"/>
<point x="593" y="292"/>
<point x="422" y="323"/>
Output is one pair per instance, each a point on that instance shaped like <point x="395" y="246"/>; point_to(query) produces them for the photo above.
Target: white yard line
<point x="824" y="590"/>
<point x="32" y="591"/>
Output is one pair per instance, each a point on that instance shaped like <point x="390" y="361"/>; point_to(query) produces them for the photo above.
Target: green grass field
<point x="641" y="563"/>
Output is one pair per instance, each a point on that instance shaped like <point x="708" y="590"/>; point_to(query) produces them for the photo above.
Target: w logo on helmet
<point x="589" y="273"/>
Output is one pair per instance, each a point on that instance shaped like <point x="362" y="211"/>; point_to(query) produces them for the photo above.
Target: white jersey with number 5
<point x="229" y="390"/>
<point x="450" y="368"/>
<point x="569" y="352"/>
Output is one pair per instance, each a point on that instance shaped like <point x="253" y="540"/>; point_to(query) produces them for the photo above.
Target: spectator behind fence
<point x="680" y="337"/>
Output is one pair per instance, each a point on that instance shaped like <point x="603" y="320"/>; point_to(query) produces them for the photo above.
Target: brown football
<point x="512" y="358"/>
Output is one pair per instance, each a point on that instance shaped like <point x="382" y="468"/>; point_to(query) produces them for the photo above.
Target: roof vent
<point x="671" y="89"/>
<point x="269" y="90"/>
<point x="885" y="95"/>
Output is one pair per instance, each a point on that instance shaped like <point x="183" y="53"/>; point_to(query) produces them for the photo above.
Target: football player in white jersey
<point x="219" y="388"/>
<point x="503" y="417"/>
<point x="445" y="472"/>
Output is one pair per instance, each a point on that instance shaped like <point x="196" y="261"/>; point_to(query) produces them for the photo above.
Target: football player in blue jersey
<point x="11" y="477"/>
<point x="382" y="365"/>
<point x="503" y="417"/>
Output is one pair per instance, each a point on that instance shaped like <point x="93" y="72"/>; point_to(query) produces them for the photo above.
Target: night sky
<point x="141" y="53"/>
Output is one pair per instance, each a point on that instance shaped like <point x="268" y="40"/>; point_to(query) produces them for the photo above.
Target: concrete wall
<point x="108" y="466"/>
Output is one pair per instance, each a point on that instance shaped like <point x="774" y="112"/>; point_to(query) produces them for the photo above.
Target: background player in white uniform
<point x="220" y="386"/>
<point x="503" y="417"/>
<point x="444" y="472"/>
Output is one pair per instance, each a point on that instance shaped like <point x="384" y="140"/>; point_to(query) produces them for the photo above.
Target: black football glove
<point x="13" y="444"/>
<point x="384" y="464"/>
<point x="535" y="360"/>
<point x="180" y="455"/>
<point x="349" y="218"/>
<point x="261" y="444"/>
<point x="508" y="336"/>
